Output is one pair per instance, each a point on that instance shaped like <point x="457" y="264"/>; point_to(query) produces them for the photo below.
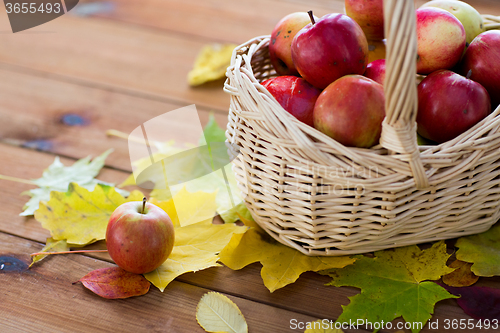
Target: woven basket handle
<point x="399" y="133"/>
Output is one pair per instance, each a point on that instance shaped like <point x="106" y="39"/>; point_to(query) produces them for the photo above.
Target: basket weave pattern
<point x="322" y="198"/>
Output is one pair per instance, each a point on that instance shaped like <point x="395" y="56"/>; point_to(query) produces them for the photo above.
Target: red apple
<point x="280" y="52"/>
<point x="441" y="40"/>
<point x="330" y="48"/>
<point x="449" y="104"/>
<point x="351" y="111"/>
<point x="369" y="14"/>
<point x="295" y="95"/>
<point x="375" y="70"/>
<point x="483" y="59"/>
<point x="139" y="236"/>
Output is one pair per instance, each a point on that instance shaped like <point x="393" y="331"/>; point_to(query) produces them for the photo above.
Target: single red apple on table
<point x="351" y="111"/>
<point x="280" y="52"/>
<point x="295" y="95"/>
<point x="441" y="40"/>
<point x="369" y="14"/>
<point x="449" y="104"/>
<point x="375" y="70"/>
<point x="329" y="48"/>
<point x="139" y="236"/>
<point x="483" y="59"/>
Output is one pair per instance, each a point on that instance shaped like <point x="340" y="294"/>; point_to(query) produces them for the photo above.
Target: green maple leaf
<point x="57" y="177"/>
<point x="483" y="250"/>
<point x="393" y="284"/>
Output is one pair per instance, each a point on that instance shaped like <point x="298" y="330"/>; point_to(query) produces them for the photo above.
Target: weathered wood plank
<point x="71" y="120"/>
<point x="111" y="55"/>
<point x="43" y="299"/>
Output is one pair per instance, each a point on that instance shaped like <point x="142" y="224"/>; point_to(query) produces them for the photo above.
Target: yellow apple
<point x="465" y="13"/>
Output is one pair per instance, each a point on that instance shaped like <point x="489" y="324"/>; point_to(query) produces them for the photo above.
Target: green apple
<point x="465" y="13"/>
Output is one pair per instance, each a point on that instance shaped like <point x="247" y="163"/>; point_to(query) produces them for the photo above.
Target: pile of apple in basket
<point x="326" y="81"/>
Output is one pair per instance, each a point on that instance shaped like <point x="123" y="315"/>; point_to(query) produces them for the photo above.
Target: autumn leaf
<point x="217" y="313"/>
<point x="51" y="245"/>
<point x="114" y="282"/>
<point x="193" y="207"/>
<point x="393" y="284"/>
<point x="169" y="207"/>
<point x="57" y="177"/>
<point x="212" y="132"/>
<point x="79" y="216"/>
<point x="480" y="303"/>
<point x="462" y="276"/>
<point x="196" y="247"/>
<point x="321" y="326"/>
<point x="483" y="250"/>
<point x="211" y="64"/>
<point x="281" y="265"/>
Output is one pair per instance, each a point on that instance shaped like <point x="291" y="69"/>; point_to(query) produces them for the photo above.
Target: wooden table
<point x="117" y="69"/>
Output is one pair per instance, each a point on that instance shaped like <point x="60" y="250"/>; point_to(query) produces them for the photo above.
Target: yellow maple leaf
<point x="217" y="313"/>
<point x="51" y="245"/>
<point x="196" y="247"/>
<point x="80" y="216"/>
<point x="211" y="64"/>
<point x="169" y="207"/>
<point x="194" y="207"/>
<point x="187" y="208"/>
<point x="281" y="265"/>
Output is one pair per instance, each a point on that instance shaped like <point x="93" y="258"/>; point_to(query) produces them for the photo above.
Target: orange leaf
<point x="114" y="282"/>
<point x="462" y="276"/>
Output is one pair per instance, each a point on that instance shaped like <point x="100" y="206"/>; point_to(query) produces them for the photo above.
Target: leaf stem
<point x="68" y="252"/>
<point x="17" y="180"/>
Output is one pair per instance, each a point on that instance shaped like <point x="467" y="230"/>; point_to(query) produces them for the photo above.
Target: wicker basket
<point x="322" y="198"/>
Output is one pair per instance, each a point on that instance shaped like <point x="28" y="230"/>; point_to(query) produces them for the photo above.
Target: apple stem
<point x="143" y="204"/>
<point x="469" y="74"/>
<point x="312" y="17"/>
<point x="67" y="252"/>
